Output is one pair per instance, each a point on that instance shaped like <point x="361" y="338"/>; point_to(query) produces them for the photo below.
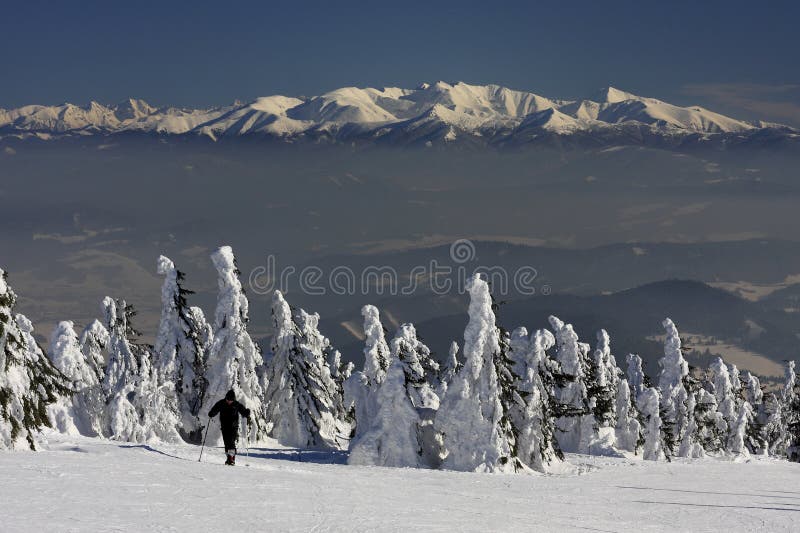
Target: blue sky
<point x="736" y="57"/>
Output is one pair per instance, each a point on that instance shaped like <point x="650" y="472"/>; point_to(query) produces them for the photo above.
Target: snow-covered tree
<point x="674" y="396"/>
<point x="450" y="369"/>
<point x="774" y="429"/>
<point x="27" y="385"/>
<point x="636" y="376"/>
<point x="576" y="426"/>
<point x="87" y="402"/>
<point x="361" y="388"/>
<point x="180" y="349"/>
<point x="376" y="352"/>
<point x="420" y="369"/>
<point x="139" y="408"/>
<point x="537" y="446"/>
<point x="791" y="413"/>
<point x="649" y="402"/>
<point x="302" y="399"/>
<point x="723" y="391"/>
<point x="689" y="445"/>
<point x="752" y="394"/>
<point x="233" y="359"/>
<point x="94" y="341"/>
<point x="401" y="434"/>
<point x="603" y="381"/>
<point x="737" y="439"/>
<point x="710" y="427"/>
<point x="478" y="434"/>
<point x="628" y="430"/>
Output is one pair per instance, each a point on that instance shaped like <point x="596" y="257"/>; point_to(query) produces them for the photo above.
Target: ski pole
<point x="204" y="441"/>
<point x="247" y="442"/>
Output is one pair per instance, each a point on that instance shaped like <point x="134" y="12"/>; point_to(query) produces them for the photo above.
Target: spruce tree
<point x="477" y="431"/>
<point x="183" y="340"/>
<point x="575" y="422"/>
<point x="361" y="388"/>
<point x="88" y="401"/>
<point x="450" y="369"/>
<point x="791" y="414"/>
<point x="723" y="391"/>
<point x="61" y="413"/>
<point x="671" y="385"/>
<point x="537" y="446"/>
<point x="28" y="383"/>
<point x="602" y="382"/>
<point x="649" y="402"/>
<point x="303" y="402"/>
<point x="140" y="408"/>
<point x="401" y="434"/>
<point x="755" y="439"/>
<point x="628" y="429"/>
<point x="234" y="361"/>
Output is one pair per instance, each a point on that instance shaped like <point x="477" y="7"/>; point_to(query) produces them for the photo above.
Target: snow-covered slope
<point x="431" y="112"/>
<point x="93" y="485"/>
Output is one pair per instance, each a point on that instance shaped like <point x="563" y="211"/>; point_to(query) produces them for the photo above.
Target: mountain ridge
<point x="436" y="113"/>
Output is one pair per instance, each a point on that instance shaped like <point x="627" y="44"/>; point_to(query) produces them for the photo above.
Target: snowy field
<point x="82" y="484"/>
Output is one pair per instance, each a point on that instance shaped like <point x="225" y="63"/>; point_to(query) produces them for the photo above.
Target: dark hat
<point x="231" y="395"/>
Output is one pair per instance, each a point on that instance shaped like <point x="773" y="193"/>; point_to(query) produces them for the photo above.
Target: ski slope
<point x="82" y="484"/>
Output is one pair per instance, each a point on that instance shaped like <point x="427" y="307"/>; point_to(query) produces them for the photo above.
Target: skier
<point x="229" y="410"/>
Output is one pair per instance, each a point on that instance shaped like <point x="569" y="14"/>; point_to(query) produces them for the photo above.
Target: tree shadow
<point x="149" y="448"/>
<point x="324" y="457"/>
<point x="720" y="506"/>
<point x="748" y="494"/>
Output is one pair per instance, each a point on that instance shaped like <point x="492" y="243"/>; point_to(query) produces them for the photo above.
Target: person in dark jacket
<point x="229" y="410"/>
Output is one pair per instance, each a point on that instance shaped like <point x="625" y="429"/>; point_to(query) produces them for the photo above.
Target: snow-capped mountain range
<point x="430" y="114"/>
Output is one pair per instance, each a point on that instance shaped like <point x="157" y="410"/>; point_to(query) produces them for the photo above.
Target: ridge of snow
<point x="450" y="109"/>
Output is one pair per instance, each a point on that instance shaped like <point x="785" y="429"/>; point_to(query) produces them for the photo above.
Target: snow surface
<point x="83" y="484"/>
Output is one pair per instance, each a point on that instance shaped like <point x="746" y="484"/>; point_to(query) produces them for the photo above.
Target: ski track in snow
<point x="82" y="484"/>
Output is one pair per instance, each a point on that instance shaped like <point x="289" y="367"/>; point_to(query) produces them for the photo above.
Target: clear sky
<point x="736" y="57"/>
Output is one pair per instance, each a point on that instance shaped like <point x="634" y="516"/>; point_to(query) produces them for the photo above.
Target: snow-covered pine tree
<point x="421" y="371"/>
<point x="477" y="433"/>
<point x="674" y="396"/>
<point x="302" y="399"/>
<point x="636" y="376"/>
<point x="450" y="369"/>
<point x="711" y="430"/>
<point x="689" y="445"/>
<point x="774" y="430"/>
<point x="155" y="401"/>
<point x="340" y="371"/>
<point x="38" y="393"/>
<point x="360" y="389"/>
<point x="755" y="439"/>
<point x="180" y="349"/>
<point x="628" y="429"/>
<point x="94" y="341"/>
<point x="736" y="383"/>
<point x="723" y="392"/>
<point x="233" y="359"/>
<point x="737" y="433"/>
<point x="139" y="408"/>
<point x="791" y="413"/>
<point x="601" y="388"/>
<point x="537" y="446"/>
<point x="575" y="423"/>
<point x="401" y="434"/>
<point x="649" y="402"/>
<point x="88" y="401"/>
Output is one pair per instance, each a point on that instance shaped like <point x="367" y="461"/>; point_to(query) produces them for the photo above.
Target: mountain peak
<point x="612" y="95"/>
